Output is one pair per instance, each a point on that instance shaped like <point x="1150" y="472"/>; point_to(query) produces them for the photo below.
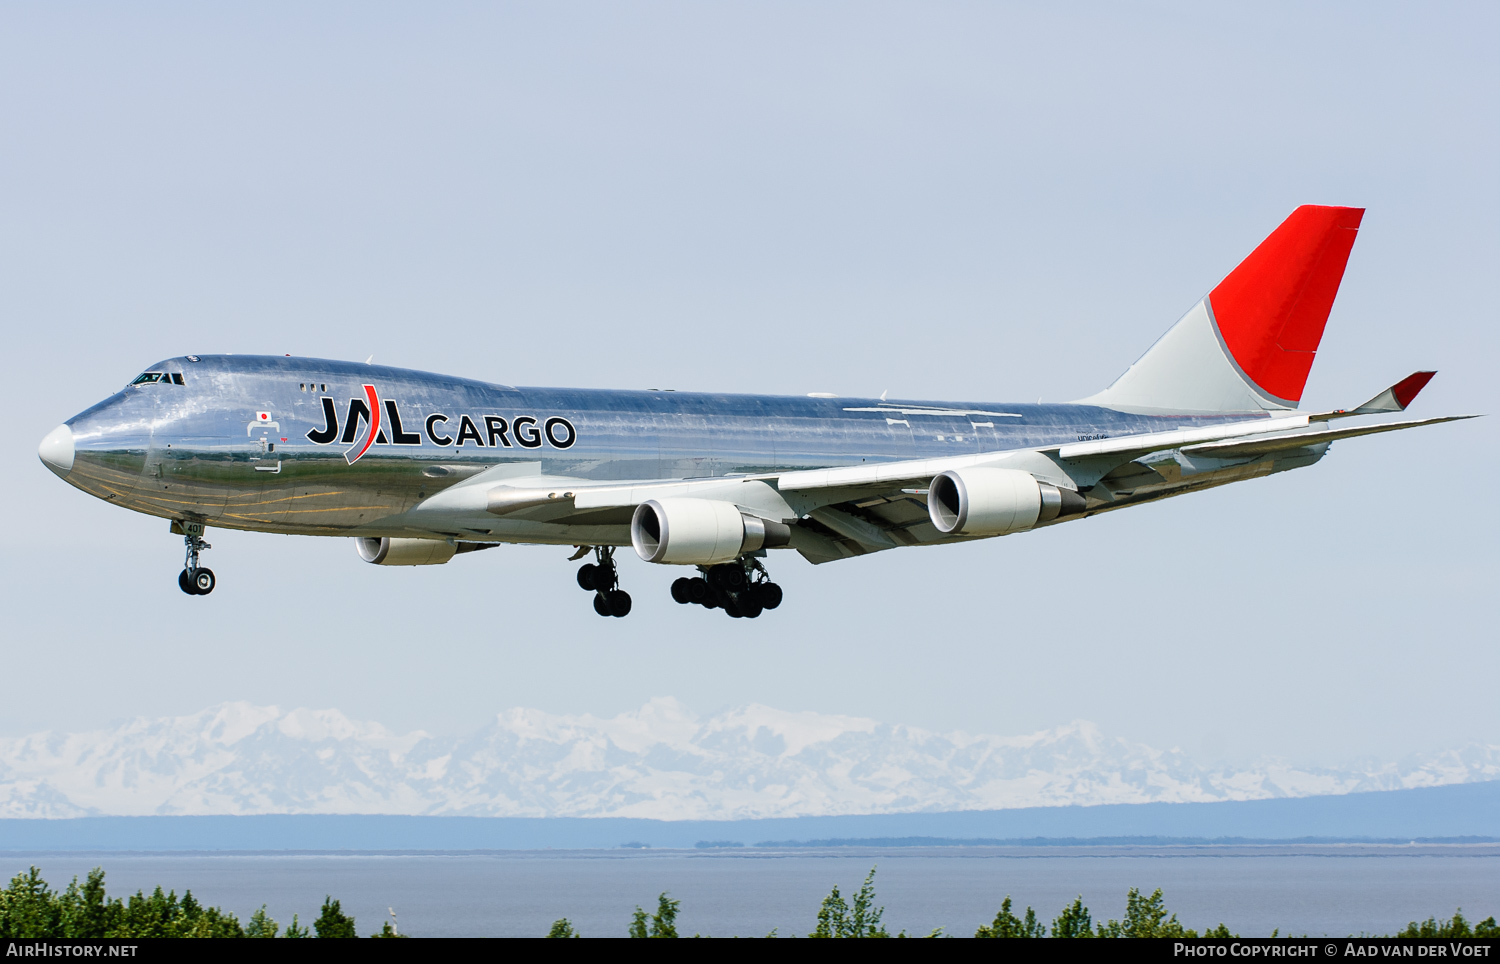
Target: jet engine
<point x="405" y="552"/>
<point x="992" y="502"/>
<point x="700" y="532"/>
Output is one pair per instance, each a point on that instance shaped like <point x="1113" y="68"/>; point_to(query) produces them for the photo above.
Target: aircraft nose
<point x="56" y="451"/>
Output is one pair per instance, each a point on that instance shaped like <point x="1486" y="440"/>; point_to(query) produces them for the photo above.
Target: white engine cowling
<point x="405" y="552"/>
<point x="700" y="532"/>
<point x="993" y="502"/>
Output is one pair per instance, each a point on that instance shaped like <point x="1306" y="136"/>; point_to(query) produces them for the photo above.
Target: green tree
<point x="661" y="924"/>
<point x="1145" y="917"/>
<point x="564" y="927"/>
<point x="148" y="916"/>
<point x="85" y="911"/>
<point x="296" y="930"/>
<point x="1007" y="924"/>
<point x="261" y="924"/>
<point x="838" y="919"/>
<point x="333" y="922"/>
<point x="1457" y="926"/>
<point x="1074" y="921"/>
<point x="28" y="908"/>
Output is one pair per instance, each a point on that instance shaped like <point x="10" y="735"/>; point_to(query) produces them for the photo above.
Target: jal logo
<point x="367" y="419"/>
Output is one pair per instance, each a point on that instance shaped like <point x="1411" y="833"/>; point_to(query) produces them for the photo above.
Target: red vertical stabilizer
<point x="1271" y="310"/>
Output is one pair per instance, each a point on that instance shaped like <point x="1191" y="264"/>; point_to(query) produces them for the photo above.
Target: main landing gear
<point x="194" y="580"/>
<point x="743" y="589"/>
<point x="603" y="580"/>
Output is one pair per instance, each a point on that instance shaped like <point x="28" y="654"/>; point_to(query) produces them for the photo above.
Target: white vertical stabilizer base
<point x="1188" y="370"/>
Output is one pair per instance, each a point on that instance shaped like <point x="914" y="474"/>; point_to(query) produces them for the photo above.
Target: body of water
<point x="1335" y="890"/>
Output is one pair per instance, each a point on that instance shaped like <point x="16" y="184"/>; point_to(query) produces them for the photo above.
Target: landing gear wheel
<point x="769" y="595"/>
<point x="194" y="579"/>
<point x="602" y="579"/>
<point x="732" y="608"/>
<point x="202" y="581"/>
<point x="729" y="577"/>
<point x="682" y="590"/>
<point x="615" y="602"/>
<point x="750" y="606"/>
<point x="698" y="591"/>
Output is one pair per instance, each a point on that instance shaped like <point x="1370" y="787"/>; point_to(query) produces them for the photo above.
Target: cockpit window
<point x="153" y="378"/>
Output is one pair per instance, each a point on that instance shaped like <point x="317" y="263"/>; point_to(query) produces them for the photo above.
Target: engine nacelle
<point x="700" y="532"/>
<point x="405" y="552"/>
<point x="992" y="502"/>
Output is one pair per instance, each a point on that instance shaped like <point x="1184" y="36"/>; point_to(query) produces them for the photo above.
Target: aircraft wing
<point x="1228" y="440"/>
<point x="845" y="511"/>
<point x="1267" y="444"/>
<point x="881" y="506"/>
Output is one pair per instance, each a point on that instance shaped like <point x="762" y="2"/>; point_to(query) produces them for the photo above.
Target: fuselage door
<point x="264" y="435"/>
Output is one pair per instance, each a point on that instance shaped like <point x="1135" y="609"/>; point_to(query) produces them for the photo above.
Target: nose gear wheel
<point x="195" y="580"/>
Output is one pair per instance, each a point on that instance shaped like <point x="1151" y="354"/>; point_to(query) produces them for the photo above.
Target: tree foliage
<point x="1074" y="921"/>
<point x="1456" y="926"/>
<point x="661" y="924"/>
<point x="1007" y="924"/>
<point x="333" y="922"/>
<point x="261" y="924"/>
<point x="563" y="928"/>
<point x="29" y="908"/>
<point x="1145" y="917"/>
<point x="836" y="918"/>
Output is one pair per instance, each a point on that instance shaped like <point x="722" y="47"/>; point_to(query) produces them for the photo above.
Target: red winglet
<point x="1407" y="388"/>
<point x="1271" y="310"/>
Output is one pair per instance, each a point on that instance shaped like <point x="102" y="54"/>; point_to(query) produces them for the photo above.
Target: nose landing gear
<point x="194" y="580"/>
<point x="743" y="589"/>
<point x="603" y="580"/>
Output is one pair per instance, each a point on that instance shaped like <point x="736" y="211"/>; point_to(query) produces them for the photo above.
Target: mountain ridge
<point x="660" y="762"/>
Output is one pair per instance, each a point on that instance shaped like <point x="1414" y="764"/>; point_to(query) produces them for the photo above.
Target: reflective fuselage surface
<point x="293" y="445"/>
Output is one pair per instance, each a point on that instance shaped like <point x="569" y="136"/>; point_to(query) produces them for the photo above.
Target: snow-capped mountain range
<point x="661" y="761"/>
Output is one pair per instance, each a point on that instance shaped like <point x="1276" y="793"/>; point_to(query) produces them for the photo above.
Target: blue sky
<point x="968" y="201"/>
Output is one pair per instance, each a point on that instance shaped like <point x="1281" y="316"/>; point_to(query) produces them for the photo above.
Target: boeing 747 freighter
<point x="416" y="468"/>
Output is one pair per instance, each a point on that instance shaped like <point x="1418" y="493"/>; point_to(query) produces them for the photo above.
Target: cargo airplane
<point x="417" y="468"/>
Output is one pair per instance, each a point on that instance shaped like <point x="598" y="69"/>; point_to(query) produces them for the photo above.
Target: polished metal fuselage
<point x="234" y="445"/>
